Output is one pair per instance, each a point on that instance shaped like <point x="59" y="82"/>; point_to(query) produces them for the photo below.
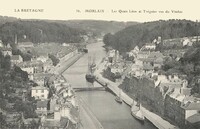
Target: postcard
<point x="131" y="64"/>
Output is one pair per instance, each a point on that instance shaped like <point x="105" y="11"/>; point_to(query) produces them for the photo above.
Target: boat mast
<point x="94" y="58"/>
<point x="89" y="63"/>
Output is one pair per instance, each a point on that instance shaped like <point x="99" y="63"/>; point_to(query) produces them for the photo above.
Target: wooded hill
<point x="97" y="27"/>
<point x="139" y="34"/>
<point x="40" y="31"/>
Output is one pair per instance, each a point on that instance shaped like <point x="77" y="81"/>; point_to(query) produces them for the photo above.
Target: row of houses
<point x="181" y="42"/>
<point x="60" y="110"/>
<point x="168" y="95"/>
<point x="56" y="103"/>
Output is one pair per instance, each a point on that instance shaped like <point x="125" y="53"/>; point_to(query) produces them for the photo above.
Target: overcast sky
<point x="66" y="9"/>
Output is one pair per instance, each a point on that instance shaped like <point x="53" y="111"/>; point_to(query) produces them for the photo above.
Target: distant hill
<point x="140" y="34"/>
<point x="98" y="27"/>
<point x="39" y="31"/>
<point x="56" y="30"/>
<point x="4" y="19"/>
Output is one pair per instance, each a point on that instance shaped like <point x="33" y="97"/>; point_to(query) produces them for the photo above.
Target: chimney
<point x="15" y="38"/>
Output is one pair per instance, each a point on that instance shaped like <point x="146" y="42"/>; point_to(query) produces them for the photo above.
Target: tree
<point x="2" y="120"/>
<point x="54" y="59"/>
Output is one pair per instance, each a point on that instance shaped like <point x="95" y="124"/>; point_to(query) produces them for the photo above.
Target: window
<point x="42" y="96"/>
<point x="36" y="91"/>
<point x="42" y="91"/>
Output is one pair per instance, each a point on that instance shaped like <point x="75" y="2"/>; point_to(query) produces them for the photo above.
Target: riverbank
<point x="87" y="118"/>
<point x="65" y="64"/>
<point x="154" y="118"/>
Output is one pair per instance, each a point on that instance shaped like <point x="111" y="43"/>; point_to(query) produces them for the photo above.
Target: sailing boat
<point x="136" y="112"/>
<point x="93" y="64"/>
<point x="118" y="98"/>
<point x="90" y="76"/>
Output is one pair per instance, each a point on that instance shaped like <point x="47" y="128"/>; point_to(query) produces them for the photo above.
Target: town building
<point x="24" y="45"/>
<point x="42" y="107"/>
<point x="1" y="44"/>
<point x="43" y="58"/>
<point x="40" y="78"/>
<point x="149" y="47"/>
<point x="116" y="68"/>
<point x="40" y="92"/>
<point x="16" y="59"/>
<point x="6" y="50"/>
<point x="173" y="42"/>
<point x="32" y="67"/>
<point x="143" y="54"/>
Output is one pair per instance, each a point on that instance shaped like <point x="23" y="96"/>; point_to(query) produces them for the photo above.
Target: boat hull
<point x="136" y="112"/>
<point x="117" y="99"/>
<point x="137" y="117"/>
<point x="90" y="78"/>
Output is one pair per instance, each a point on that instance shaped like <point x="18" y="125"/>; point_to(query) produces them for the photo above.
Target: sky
<point x="115" y="10"/>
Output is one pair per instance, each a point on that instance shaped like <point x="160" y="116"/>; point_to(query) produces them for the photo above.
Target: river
<point x="102" y="104"/>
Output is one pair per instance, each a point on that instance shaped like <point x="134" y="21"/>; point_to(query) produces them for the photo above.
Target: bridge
<point x="80" y="89"/>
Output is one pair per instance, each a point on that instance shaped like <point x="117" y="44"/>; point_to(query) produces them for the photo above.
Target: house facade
<point x="16" y="59"/>
<point x="40" y="92"/>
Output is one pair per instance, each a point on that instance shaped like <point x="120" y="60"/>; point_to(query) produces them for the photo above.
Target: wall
<point x="174" y="112"/>
<point x="144" y="90"/>
<point x="39" y="94"/>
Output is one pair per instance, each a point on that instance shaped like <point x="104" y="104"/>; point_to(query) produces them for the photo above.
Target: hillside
<point x="4" y="19"/>
<point x="97" y="27"/>
<point x="39" y="31"/>
<point x="140" y="34"/>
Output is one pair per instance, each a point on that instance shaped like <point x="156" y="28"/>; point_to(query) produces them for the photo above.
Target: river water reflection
<point x="111" y="114"/>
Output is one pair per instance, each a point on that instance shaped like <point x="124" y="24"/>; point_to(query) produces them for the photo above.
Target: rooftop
<point x="30" y="63"/>
<point x="42" y="104"/>
<point x="194" y="118"/>
<point x="192" y="106"/>
<point x="39" y="88"/>
<point x="155" y="55"/>
<point x="42" y="75"/>
<point x="25" y="44"/>
<point x="147" y="67"/>
<point x="53" y="123"/>
<point x="15" y="57"/>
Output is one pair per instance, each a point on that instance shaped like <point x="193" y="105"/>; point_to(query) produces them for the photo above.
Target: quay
<point x="87" y="118"/>
<point x="159" y="122"/>
<point x="65" y="64"/>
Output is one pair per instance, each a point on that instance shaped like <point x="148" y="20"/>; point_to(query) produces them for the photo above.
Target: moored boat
<point x="90" y="76"/>
<point x="118" y="98"/>
<point x="136" y="112"/>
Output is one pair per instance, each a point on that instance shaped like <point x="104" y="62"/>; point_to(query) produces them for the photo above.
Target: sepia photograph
<point x="99" y="64"/>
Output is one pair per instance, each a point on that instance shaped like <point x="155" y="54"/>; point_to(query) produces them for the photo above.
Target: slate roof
<point x="42" y="104"/>
<point x="53" y="123"/>
<point x="15" y="57"/>
<point x="39" y="88"/>
<point x="191" y="106"/>
<point x="194" y="118"/>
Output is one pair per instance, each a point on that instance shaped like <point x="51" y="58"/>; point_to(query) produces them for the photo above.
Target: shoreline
<point x="89" y="120"/>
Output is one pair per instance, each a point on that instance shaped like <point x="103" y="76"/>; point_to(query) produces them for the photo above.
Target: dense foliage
<point x="54" y="59"/>
<point x="139" y="34"/>
<point x="97" y="27"/>
<point x="12" y="80"/>
<point x="39" y="31"/>
<point x="189" y="65"/>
